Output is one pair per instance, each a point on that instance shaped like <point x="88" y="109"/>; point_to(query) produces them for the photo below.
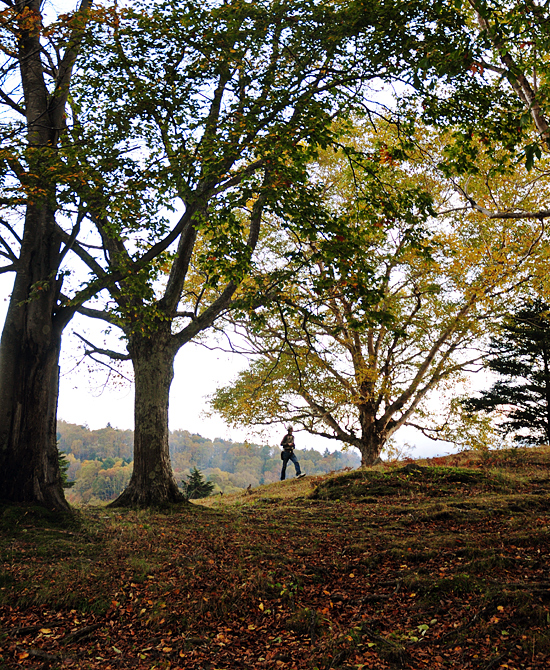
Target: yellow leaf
<point x="261" y="606"/>
<point x="166" y="649"/>
<point x="22" y="655"/>
<point x="45" y="631"/>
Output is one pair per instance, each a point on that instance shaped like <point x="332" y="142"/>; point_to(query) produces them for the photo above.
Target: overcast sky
<point x="84" y="399"/>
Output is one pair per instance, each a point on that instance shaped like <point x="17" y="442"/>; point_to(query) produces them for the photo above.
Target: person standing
<point x="287" y="454"/>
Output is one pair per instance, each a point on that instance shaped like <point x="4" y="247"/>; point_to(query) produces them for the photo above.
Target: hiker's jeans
<point x="290" y="457"/>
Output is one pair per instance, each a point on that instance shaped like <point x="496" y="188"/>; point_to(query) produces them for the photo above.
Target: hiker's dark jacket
<point x="288" y="443"/>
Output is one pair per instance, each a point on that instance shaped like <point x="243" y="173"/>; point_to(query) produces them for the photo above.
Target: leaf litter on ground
<point x="443" y="565"/>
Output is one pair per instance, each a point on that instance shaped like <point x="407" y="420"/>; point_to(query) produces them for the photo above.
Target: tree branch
<point x="223" y="301"/>
<point x="109" y="367"/>
<point x="540" y="214"/>
<point x="84" y="256"/>
<point x="59" y="98"/>
<point x="9" y="252"/>
<point x="10" y="103"/>
<point x="98" y="314"/>
<point x="426" y="432"/>
<point x="110" y="279"/>
<point x="327" y="417"/>
<point x="516" y="77"/>
<point x="115" y="355"/>
<point x="10" y="228"/>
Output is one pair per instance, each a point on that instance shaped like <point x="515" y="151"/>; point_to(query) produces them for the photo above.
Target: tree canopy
<point x="147" y="146"/>
<point x="377" y="315"/>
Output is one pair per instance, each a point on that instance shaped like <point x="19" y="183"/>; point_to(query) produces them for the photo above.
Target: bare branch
<point x="10" y="103"/>
<point x="10" y="228"/>
<point x="427" y="432"/>
<point x="540" y="214"/>
<point x="110" y="367"/>
<point x="115" y="355"/>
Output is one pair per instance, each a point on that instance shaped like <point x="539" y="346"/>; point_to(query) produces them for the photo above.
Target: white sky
<point x="198" y="372"/>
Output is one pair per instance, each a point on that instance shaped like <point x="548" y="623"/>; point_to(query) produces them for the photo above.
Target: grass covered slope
<point x="443" y="567"/>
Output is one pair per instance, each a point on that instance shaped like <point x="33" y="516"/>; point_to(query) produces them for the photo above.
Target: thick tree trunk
<point x="31" y="338"/>
<point x="152" y="481"/>
<point x="370" y="446"/>
<point x="29" y="371"/>
<point x="373" y="438"/>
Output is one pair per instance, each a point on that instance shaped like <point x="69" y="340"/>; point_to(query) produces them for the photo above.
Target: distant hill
<point x="100" y="461"/>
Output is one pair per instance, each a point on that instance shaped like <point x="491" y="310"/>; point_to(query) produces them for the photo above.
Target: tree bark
<point x="370" y="446"/>
<point x="31" y="337"/>
<point x="152" y="482"/>
<point x="373" y="437"/>
<point x="29" y="371"/>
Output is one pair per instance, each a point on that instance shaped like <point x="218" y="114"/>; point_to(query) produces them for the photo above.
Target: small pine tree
<point x="520" y="355"/>
<point x="195" y="486"/>
<point x="64" y="467"/>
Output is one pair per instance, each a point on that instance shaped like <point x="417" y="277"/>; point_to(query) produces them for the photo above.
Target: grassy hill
<point x="440" y="563"/>
<point x="100" y="461"/>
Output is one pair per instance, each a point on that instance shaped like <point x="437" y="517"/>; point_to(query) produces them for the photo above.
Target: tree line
<point x="175" y="167"/>
<point x="100" y="461"/>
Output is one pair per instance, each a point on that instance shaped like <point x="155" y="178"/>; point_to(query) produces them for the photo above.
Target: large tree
<point x="35" y="88"/>
<point x="64" y="179"/>
<point x="46" y="183"/>
<point x="384" y="311"/>
<point x="234" y="101"/>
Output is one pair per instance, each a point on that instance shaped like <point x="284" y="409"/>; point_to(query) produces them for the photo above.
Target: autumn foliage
<point x="443" y="564"/>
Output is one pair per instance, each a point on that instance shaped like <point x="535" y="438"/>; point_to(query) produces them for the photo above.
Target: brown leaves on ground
<point x="410" y="579"/>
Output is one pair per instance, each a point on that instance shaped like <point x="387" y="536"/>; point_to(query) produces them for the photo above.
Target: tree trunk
<point x="370" y="447"/>
<point x="373" y="438"/>
<point x="152" y="481"/>
<point x="29" y="371"/>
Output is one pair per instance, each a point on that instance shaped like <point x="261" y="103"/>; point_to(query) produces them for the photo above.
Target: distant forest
<point x="100" y="461"/>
